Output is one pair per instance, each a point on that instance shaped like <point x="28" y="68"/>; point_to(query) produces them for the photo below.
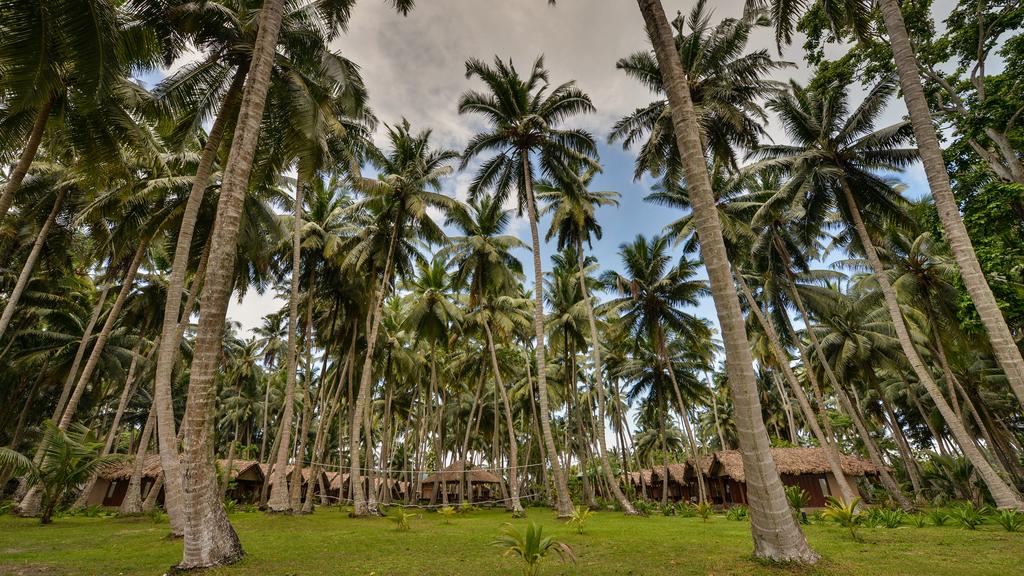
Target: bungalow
<point x="338" y="487"/>
<point x="483" y="484"/>
<point x="725" y="480"/>
<point x="112" y="483"/>
<point x="321" y="481"/>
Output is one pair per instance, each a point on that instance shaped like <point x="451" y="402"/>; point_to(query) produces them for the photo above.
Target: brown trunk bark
<point x="30" y="264"/>
<point x="28" y="154"/>
<point x="775" y="532"/>
<point x="132" y="502"/>
<point x="1003" y="343"/>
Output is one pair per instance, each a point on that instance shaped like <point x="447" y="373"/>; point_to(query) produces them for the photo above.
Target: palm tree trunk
<point x="564" y="504"/>
<point x="1002" y="493"/>
<point x="30" y="264"/>
<point x="775" y="532"/>
<point x="360" y="507"/>
<point x="28" y="154"/>
<point x="825" y="437"/>
<point x="684" y="415"/>
<point x="513" y="448"/>
<point x="174" y="321"/>
<point x="209" y="538"/>
<point x="132" y="503"/>
<point x="787" y="408"/>
<point x="1003" y="344"/>
<point x="104" y="335"/>
<point x="595" y="352"/>
<point x="279" y="498"/>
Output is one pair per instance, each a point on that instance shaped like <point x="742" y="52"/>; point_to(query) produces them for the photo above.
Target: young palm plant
<point x="531" y="546"/>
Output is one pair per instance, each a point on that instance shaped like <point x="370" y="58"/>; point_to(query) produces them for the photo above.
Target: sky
<point x="414" y="68"/>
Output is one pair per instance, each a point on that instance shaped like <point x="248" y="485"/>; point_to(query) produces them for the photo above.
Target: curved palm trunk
<point x="564" y="503"/>
<point x="28" y="154"/>
<point x="1002" y="493"/>
<point x="101" y="339"/>
<point x="174" y="321"/>
<point x="209" y="537"/>
<point x="827" y="442"/>
<point x="132" y="503"/>
<point x="280" y="500"/>
<point x="1003" y="343"/>
<point x="513" y="448"/>
<point x="775" y="532"/>
<point x="360" y="505"/>
<point x="30" y="264"/>
<point x="595" y="352"/>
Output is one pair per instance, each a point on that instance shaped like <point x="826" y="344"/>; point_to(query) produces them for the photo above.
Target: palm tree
<point x="410" y="174"/>
<point x="524" y="120"/>
<point x="776" y="534"/>
<point x="651" y="295"/>
<point x="836" y="151"/>
<point x="726" y="86"/>
<point x="573" y="207"/>
<point x="856" y="15"/>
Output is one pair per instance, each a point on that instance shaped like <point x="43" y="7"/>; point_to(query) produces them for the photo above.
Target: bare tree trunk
<point x="174" y="320"/>
<point x="1002" y="493"/>
<point x="30" y="264"/>
<point x="1003" y="343"/>
<point x="595" y="352"/>
<point x="513" y="449"/>
<point x="209" y="537"/>
<point x="132" y="503"/>
<point x="28" y="154"/>
<point x="775" y="532"/>
<point x="564" y="504"/>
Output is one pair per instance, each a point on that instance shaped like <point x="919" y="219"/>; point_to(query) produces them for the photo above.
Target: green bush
<point x="401" y="519"/>
<point x="738" y="513"/>
<point x="1010" y="520"/>
<point x="643" y="507"/>
<point x="668" y="510"/>
<point x="969" y="516"/>
<point x="846" y="515"/>
<point x="447" y="512"/>
<point x="798" y="498"/>
<point x="531" y="546"/>
<point x="938" y="516"/>
<point x="919" y="520"/>
<point x="580" y="515"/>
<point x="704" y="510"/>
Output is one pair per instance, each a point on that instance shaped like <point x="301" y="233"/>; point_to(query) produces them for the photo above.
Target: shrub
<point x="643" y="507"/>
<point x="668" y="510"/>
<point x="846" y="515"/>
<point x="531" y="546"/>
<point x="891" y="517"/>
<point x="402" y="518"/>
<point x="447" y="512"/>
<point x="919" y="520"/>
<point x="798" y="498"/>
<point x="580" y="515"/>
<point x="1010" y="520"/>
<point x="704" y="510"/>
<point x="230" y="505"/>
<point x="738" y="513"/>
<point x="938" y="516"/>
<point x="969" y="516"/>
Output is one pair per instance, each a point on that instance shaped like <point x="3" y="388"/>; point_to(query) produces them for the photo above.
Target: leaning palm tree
<point x="209" y="537"/>
<point x="835" y="153"/>
<point x="573" y="208"/>
<point x="856" y="15"/>
<point x="776" y="534"/>
<point x="408" y="185"/>
<point x="524" y="119"/>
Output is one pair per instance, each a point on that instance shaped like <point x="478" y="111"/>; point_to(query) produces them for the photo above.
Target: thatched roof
<point x="306" y="472"/>
<point x="454" y="473"/>
<point x="792" y="461"/>
<point x="122" y="469"/>
<point x="239" y="467"/>
<point x="634" y="477"/>
<point x="676" y="473"/>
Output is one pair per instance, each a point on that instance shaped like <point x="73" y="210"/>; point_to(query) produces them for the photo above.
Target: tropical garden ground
<point x="329" y="542"/>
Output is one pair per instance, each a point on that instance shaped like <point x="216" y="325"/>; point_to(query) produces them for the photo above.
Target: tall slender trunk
<point x="279" y="497"/>
<point x="28" y="154"/>
<point x="104" y="335"/>
<point x="174" y="320"/>
<point x="132" y="502"/>
<point x="775" y="532"/>
<point x="209" y="537"/>
<point x="684" y="415"/>
<point x="787" y="407"/>
<point x="360" y="505"/>
<point x="1002" y="493"/>
<point x="30" y="264"/>
<point x="1003" y="344"/>
<point x="564" y="504"/>
<point x="874" y="454"/>
<point x="595" y="352"/>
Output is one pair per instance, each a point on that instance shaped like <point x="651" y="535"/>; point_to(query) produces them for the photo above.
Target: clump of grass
<point x="938" y="516"/>
<point x="1010" y="520"/>
<point x="970" y="516"/>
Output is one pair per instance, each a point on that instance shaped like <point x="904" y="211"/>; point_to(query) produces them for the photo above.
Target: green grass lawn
<point x="328" y="542"/>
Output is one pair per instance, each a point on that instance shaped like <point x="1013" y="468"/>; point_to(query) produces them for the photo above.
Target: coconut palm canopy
<point x="350" y="242"/>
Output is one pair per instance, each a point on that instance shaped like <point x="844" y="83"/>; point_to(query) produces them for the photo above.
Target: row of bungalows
<point x="725" y="481"/>
<point x="482" y="483"/>
<point x="246" y="481"/>
<point x="339" y="487"/>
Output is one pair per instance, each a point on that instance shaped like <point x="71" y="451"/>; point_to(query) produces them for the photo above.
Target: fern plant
<point x="846" y="515"/>
<point x="580" y="515"/>
<point x="1010" y="520"/>
<point x="531" y="546"/>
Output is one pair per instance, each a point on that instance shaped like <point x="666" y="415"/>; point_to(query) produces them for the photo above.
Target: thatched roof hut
<point x="793" y="461"/>
<point x="457" y="470"/>
<point x="122" y="469"/>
